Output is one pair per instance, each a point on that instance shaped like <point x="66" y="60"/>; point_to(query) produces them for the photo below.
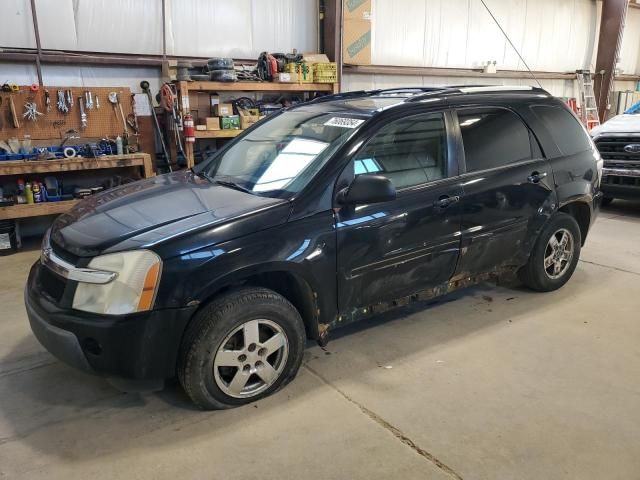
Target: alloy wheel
<point x="558" y="254"/>
<point x="251" y="358"/>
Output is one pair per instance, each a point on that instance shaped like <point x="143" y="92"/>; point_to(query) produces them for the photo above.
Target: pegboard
<point x="101" y="122"/>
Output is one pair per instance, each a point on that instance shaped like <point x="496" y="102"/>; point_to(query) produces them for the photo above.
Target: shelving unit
<point x="31" y="167"/>
<point x="25" y="210"/>
<point x="217" y="133"/>
<point x="185" y="87"/>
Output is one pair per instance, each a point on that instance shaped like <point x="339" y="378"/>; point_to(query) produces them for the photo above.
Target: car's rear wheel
<point x="241" y="347"/>
<point x="554" y="256"/>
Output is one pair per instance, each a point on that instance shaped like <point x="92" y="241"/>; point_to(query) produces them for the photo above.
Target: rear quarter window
<point x="493" y="137"/>
<point x="565" y="130"/>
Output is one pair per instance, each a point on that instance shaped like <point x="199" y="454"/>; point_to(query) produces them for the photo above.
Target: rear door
<point x="393" y="249"/>
<point x="508" y="189"/>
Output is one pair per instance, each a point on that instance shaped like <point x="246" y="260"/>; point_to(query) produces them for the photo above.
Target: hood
<point x="626" y="123"/>
<point x="155" y="210"/>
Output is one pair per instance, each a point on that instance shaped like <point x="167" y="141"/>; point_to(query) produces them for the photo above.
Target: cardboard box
<point x="199" y="106"/>
<point x="285" y="77"/>
<point x="357" y="42"/>
<point x="223" y="110"/>
<point x="231" y="122"/>
<point x="212" y="123"/>
<point x="201" y="127"/>
<point x="169" y="70"/>
<point x="315" y="58"/>
<point x="248" y="118"/>
<point x="357" y="9"/>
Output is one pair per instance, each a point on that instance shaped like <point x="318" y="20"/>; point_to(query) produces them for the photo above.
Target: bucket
<point x="8" y="240"/>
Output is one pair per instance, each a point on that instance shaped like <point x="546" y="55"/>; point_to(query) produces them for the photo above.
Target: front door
<point x="394" y="249"/>
<point x="508" y="190"/>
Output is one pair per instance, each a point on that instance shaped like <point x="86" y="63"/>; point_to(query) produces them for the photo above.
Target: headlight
<point x="132" y="290"/>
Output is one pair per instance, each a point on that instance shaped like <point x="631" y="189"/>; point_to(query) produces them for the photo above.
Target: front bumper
<point x="621" y="183"/>
<point x="141" y="346"/>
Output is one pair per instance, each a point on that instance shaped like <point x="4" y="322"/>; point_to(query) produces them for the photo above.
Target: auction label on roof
<point x="344" y="122"/>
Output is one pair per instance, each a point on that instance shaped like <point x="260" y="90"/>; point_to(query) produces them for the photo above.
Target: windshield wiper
<point x="201" y="174"/>
<point x="230" y="184"/>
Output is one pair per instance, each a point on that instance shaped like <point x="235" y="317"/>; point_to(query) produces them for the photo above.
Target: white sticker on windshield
<point x="344" y="122"/>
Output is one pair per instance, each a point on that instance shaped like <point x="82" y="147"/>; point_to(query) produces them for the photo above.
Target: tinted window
<point x="408" y="152"/>
<point x="492" y="138"/>
<point x="564" y="128"/>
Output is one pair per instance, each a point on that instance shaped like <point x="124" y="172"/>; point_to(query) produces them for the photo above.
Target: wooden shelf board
<point x="218" y="133"/>
<point x="35" y="209"/>
<point x="23" y="167"/>
<point x="260" y="86"/>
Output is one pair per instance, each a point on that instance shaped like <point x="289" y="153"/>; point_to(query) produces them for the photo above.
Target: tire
<point x="207" y="371"/>
<point x="606" y="201"/>
<point x="223" y="76"/>
<point x="534" y="274"/>
<point x="220" y="63"/>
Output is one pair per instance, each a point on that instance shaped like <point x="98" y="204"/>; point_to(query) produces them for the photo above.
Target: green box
<point x="230" y="123"/>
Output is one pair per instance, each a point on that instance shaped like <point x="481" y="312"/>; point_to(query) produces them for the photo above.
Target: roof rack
<point x="359" y="93"/>
<point x="339" y="96"/>
<point x="410" y="89"/>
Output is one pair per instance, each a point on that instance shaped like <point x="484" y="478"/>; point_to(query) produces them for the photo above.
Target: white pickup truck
<point x="618" y="141"/>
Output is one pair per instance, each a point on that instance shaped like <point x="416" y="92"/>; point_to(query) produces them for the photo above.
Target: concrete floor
<point x="502" y="383"/>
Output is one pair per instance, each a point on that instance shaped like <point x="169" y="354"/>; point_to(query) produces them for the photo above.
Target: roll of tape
<point x="69" y="152"/>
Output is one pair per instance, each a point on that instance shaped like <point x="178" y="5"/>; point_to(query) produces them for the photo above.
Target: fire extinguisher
<point x="189" y="129"/>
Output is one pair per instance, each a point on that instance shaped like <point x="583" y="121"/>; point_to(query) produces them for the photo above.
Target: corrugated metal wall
<point x="551" y="35"/>
<point x="237" y="28"/>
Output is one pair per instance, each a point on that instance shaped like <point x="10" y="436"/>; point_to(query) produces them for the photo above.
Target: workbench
<point x="185" y="87"/>
<point x="36" y="167"/>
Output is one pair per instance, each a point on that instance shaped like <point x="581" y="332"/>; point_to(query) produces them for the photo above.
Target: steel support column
<point x="609" y="41"/>
<point x="332" y="33"/>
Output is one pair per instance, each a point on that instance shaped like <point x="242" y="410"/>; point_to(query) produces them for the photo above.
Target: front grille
<point x="52" y="284"/>
<point x="612" y="151"/>
<point x="621" y="180"/>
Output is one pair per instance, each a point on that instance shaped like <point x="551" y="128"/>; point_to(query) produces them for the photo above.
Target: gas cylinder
<point x="189" y="129"/>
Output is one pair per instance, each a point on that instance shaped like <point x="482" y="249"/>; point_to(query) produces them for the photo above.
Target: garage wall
<point x="552" y="35"/>
<point x="460" y="33"/>
<point x="630" y="51"/>
<point x="199" y="28"/>
<point x="560" y="88"/>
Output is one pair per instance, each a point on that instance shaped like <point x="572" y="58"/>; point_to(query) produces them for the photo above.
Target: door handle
<point x="535" y="177"/>
<point x="445" y="200"/>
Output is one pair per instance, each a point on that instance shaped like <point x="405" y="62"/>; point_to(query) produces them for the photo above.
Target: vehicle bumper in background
<point x="142" y="346"/>
<point x="621" y="183"/>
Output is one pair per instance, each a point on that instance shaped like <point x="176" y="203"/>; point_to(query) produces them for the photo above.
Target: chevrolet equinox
<point x="323" y="214"/>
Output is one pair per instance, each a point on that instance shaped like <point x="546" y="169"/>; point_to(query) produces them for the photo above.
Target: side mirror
<point x="367" y="189"/>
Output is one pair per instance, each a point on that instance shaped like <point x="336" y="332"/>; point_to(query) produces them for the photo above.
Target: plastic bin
<point x="325" y="72"/>
<point x="8" y="239"/>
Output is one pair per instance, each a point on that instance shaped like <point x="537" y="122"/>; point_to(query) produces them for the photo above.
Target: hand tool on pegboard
<point x="47" y="101"/>
<point x="83" y="114"/>
<point x="31" y="111"/>
<point x="14" y="116"/>
<point x="145" y="88"/>
<point x="114" y="98"/>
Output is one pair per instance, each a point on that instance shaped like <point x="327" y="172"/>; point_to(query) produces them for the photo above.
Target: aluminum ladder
<point x="588" y="105"/>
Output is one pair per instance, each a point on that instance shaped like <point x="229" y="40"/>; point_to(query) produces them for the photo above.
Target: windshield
<point x="279" y="157"/>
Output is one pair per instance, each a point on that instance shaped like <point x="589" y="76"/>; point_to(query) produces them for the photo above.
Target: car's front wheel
<point x="555" y="255"/>
<point x="243" y="346"/>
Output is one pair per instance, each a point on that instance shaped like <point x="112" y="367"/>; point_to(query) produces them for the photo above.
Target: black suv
<point x="323" y="214"/>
